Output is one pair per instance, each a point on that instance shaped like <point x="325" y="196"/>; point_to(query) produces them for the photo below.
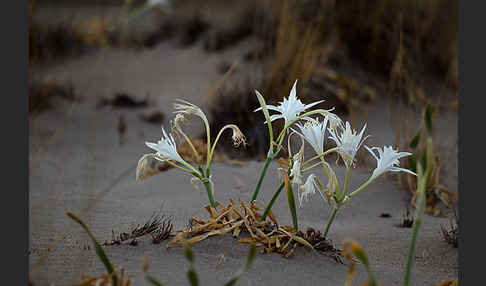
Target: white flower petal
<point x="387" y="160"/>
<point x="348" y="142"/>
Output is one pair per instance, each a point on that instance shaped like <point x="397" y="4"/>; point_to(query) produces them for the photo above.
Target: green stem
<point x="320" y="156"/>
<point x="260" y="180"/>
<point x="313" y="166"/>
<point x="346" y="182"/>
<point x="408" y="270"/>
<point x="331" y="219"/>
<point x="291" y="200"/>
<point x="362" y="187"/>
<point x="272" y="201"/>
<point x="210" y="194"/>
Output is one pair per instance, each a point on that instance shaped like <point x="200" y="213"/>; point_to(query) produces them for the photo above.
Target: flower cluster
<point x="309" y="128"/>
<point x="347" y="143"/>
<point x="166" y="148"/>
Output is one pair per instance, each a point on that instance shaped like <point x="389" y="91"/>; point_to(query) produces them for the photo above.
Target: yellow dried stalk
<point x="237" y="219"/>
<point x="105" y="279"/>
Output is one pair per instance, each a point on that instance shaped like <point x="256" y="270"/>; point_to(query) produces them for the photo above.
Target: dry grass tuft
<point x="159" y="227"/>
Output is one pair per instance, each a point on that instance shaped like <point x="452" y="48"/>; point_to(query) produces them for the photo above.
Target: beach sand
<point x="76" y="163"/>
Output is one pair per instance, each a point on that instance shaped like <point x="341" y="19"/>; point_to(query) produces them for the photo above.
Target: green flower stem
<point x="411" y="252"/>
<point x="313" y="166"/>
<point x="346" y="182"/>
<point x="260" y="180"/>
<point x="331" y="219"/>
<point x="190" y="169"/>
<point x="210" y="193"/>
<point x="419" y="211"/>
<point x="291" y="201"/>
<point x="307" y="114"/>
<point x="189" y="142"/>
<point x="371" y="179"/>
<point x="320" y="156"/>
<point x="272" y="201"/>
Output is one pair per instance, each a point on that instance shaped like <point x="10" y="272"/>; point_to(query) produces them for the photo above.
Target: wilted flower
<point x="387" y="160"/>
<point x="295" y="173"/>
<point x="166" y="148"/>
<point x="308" y="188"/>
<point x="238" y="137"/>
<point x="313" y="132"/>
<point x="334" y="121"/>
<point x="348" y="142"/>
<point x="290" y="108"/>
<point x="185" y="107"/>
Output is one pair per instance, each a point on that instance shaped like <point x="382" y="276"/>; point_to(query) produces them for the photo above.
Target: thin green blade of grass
<point x="249" y="262"/>
<point x="98" y="249"/>
<point x="153" y="281"/>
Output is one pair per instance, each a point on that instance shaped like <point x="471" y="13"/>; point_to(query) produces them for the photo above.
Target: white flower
<point x="295" y="173"/>
<point x="348" y="142"/>
<point x="313" y="132"/>
<point x="166" y="148"/>
<point x="309" y="188"/>
<point x="290" y="108"/>
<point x="387" y="160"/>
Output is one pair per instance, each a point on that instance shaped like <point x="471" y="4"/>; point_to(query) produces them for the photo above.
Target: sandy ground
<point x="77" y="164"/>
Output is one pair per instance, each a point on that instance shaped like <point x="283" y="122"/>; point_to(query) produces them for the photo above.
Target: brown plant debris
<point x="105" y="279"/>
<point x="41" y="93"/>
<point x="450" y="235"/>
<point x="159" y="226"/>
<point x="245" y="218"/>
<point x="450" y="282"/>
<point x="122" y="100"/>
<point x="155" y="117"/>
<point x="344" y="88"/>
<point x="407" y="221"/>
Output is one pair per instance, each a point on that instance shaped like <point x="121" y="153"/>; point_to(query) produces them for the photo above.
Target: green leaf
<point x="428" y="118"/>
<point x="192" y="276"/>
<point x="261" y="100"/>
<point x="430" y="161"/>
<point x="153" y="281"/>
<point x="415" y="141"/>
<point x="363" y="258"/>
<point x="188" y="253"/>
<point x="98" y="249"/>
<point x="412" y="162"/>
<point x="423" y="160"/>
<point x="249" y="262"/>
<point x="291" y="201"/>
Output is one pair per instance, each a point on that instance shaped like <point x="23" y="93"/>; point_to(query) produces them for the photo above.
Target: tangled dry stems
<point x="245" y="218"/>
